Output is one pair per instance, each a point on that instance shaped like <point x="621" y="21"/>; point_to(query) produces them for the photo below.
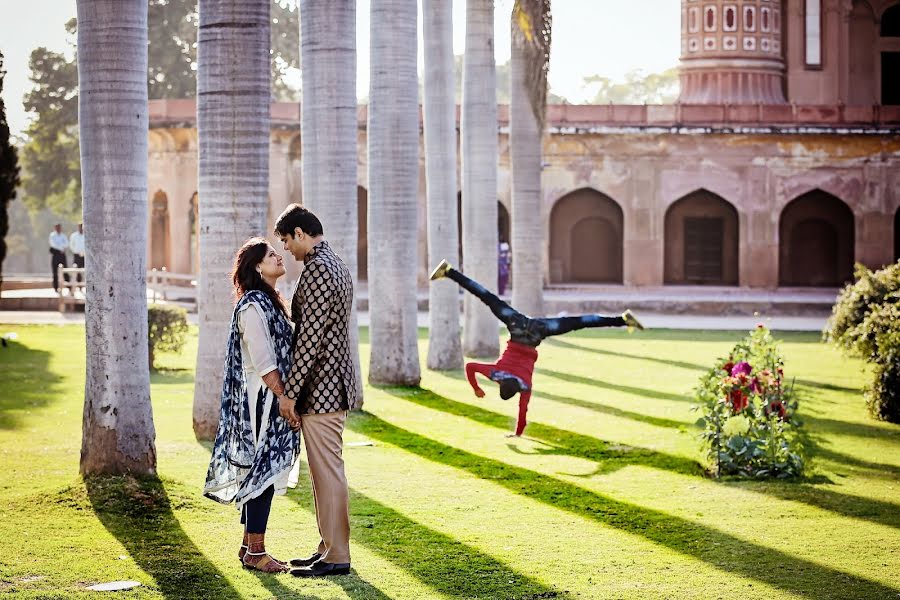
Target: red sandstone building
<point x="779" y="166"/>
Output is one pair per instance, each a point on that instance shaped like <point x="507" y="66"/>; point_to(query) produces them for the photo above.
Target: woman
<point x="255" y="449"/>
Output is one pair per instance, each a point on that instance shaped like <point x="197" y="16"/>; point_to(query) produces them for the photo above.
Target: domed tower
<point x="731" y="52"/>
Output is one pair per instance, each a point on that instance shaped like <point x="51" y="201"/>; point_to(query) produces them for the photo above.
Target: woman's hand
<point x="287" y="408"/>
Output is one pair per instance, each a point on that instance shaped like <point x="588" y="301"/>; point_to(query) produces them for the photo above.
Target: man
<point x="76" y="243"/>
<point x="58" y="245"/>
<point x="515" y="367"/>
<point x="321" y="386"/>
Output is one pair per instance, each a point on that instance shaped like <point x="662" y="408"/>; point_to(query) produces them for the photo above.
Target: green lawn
<point x="604" y="498"/>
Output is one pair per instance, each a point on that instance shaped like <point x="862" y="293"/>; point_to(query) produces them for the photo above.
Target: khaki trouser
<point x="323" y="434"/>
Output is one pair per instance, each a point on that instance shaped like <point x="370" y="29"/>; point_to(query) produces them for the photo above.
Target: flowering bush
<point x="865" y="322"/>
<point x="749" y="423"/>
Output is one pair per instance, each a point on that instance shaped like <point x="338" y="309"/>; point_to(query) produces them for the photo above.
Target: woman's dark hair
<point x="245" y="276"/>
<point x="296" y="216"/>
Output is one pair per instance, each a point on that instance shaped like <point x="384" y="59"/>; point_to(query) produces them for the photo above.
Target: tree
<point x="328" y="126"/>
<point x="479" y="175"/>
<point x="439" y="115"/>
<point x="233" y="133"/>
<point x="393" y="147"/>
<point x="118" y="434"/>
<point x="9" y="173"/>
<point x="637" y="88"/>
<point x="50" y="157"/>
<point x="50" y="160"/>
<point x="530" y="56"/>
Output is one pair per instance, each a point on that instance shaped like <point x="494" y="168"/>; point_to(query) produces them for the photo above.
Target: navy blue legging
<point x="526" y="330"/>
<point x="255" y="514"/>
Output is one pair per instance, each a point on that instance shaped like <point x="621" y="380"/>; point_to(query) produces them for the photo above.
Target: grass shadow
<point x="613" y="411"/>
<point x="610" y="457"/>
<point x="672" y="363"/>
<point x="171" y="376"/>
<point x="138" y="512"/>
<point x="19" y="395"/>
<point x="711" y="546"/>
<point x="598" y="383"/>
<point x="444" y="564"/>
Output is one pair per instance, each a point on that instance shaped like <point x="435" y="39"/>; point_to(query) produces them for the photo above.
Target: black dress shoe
<point x="321" y="569"/>
<point x="305" y="562"/>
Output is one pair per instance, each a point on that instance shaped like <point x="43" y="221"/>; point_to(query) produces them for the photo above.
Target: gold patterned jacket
<point x="322" y="377"/>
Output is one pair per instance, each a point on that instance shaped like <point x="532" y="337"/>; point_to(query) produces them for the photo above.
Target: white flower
<point x="736" y="425"/>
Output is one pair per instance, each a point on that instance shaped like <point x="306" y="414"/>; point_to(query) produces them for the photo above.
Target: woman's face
<point x="272" y="266"/>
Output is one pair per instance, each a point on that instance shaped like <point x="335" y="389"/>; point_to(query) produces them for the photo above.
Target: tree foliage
<point x="50" y="157"/>
<point x="9" y="173"/>
<point x="638" y="87"/>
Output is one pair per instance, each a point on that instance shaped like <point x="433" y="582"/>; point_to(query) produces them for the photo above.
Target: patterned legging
<point x="526" y="330"/>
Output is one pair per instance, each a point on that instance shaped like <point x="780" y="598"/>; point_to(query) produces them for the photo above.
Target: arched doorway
<point x="816" y="241"/>
<point x="861" y="63"/>
<point x="194" y="220"/>
<point x="362" y="243"/>
<point x="586" y="238"/>
<point x="503" y="223"/>
<point x="159" y="231"/>
<point x="701" y="241"/>
<point x="890" y="55"/>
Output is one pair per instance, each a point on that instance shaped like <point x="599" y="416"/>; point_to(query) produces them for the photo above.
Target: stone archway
<point x="586" y="234"/>
<point x="194" y="220"/>
<point x="701" y="241"/>
<point x="159" y="231"/>
<point x="503" y="224"/>
<point x="816" y="241"/>
<point x="362" y="239"/>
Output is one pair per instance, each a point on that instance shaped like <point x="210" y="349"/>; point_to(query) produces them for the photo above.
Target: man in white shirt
<point x="58" y="245"/>
<point x="76" y="243"/>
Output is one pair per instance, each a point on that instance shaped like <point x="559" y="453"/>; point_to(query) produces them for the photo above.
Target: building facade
<point x="778" y="167"/>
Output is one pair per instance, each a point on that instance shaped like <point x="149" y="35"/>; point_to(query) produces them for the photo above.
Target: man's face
<point x="57" y="228"/>
<point x="295" y="244"/>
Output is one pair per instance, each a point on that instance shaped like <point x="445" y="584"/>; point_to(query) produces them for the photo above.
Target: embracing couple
<point x="279" y="382"/>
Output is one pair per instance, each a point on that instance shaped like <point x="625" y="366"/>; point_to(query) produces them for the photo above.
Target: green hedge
<point x="865" y="322"/>
<point x="167" y="329"/>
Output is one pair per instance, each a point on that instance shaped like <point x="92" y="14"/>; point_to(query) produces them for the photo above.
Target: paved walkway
<point x="650" y="320"/>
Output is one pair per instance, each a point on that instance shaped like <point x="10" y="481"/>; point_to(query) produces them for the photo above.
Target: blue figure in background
<point x="504" y="259"/>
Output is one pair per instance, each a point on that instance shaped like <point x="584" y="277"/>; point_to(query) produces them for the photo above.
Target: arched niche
<point x="815" y="241"/>
<point x="586" y="238"/>
<point x="159" y="231"/>
<point x="701" y="241"/>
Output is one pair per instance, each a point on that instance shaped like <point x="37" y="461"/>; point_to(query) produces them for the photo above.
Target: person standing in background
<point x="76" y="244"/>
<point x="58" y="244"/>
<point x="504" y="258"/>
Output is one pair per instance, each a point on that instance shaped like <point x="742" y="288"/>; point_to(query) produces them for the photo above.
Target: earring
<point x="259" y="271"/>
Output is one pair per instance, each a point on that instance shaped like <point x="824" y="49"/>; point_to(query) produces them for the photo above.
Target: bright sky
<point x="605" y="37"/>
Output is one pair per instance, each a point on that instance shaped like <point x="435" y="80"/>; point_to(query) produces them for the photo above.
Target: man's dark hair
<point x="509" y="387"/>
<point x="296" y="216"/>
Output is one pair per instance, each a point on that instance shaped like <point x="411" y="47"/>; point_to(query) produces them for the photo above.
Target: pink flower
<point x="742" y="367"/>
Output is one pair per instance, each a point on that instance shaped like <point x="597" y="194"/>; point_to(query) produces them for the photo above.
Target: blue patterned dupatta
<point x="240" y="467"/>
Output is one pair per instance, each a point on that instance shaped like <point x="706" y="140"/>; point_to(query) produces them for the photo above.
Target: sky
<point x="590" y="37"/>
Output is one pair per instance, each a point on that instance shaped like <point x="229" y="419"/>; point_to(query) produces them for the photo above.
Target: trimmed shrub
<point x="749" y="424"/>
<point x="167" y="329"/>
<point x="865" y="322"/>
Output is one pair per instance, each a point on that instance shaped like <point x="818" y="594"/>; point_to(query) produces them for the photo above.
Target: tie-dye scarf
<point x="239" y="468"/>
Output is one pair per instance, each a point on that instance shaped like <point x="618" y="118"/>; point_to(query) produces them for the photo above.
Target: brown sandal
<point x="266" y="564"/>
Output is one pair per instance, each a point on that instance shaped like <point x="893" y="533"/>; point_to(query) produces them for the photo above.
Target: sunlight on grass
<point x="604" y="497"/>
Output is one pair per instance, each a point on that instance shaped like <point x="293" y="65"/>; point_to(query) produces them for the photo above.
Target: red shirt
<point x="518" y="359"/>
